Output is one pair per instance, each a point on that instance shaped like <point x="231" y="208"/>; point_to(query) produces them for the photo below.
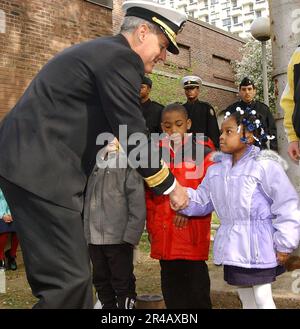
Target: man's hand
<point x="180" y="221"/>
<point x="294" y="151"/>
<point x="179" y="198"/>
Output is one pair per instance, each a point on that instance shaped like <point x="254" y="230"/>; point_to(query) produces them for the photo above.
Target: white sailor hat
<point x="191" y="81"/>
<point x="169" y="20"/>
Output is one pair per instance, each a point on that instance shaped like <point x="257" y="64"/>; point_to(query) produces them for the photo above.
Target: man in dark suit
<point x="201" y="113"/>
<point x="151" y="110"/>
<point x="48" y="146"/>
<point x="247" y="92"/>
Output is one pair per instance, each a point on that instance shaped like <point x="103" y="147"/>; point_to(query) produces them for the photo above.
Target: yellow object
<point x="287" y="102"/>
<point x="158" y="178"/>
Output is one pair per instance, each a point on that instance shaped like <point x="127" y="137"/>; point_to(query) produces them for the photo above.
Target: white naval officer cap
<point x="191" y="81"/>
<point x="169" y="20"/>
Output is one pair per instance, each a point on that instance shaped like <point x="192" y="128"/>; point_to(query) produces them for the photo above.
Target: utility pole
<point x="285" y="36"/>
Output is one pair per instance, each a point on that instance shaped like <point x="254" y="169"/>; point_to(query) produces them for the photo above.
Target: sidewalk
<point x="286" y="290"/>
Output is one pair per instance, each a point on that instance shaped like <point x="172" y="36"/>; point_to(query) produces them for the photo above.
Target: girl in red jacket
<point x="181" y="245"/>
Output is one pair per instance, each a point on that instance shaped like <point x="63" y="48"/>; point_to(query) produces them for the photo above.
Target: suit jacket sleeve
<point x="118" y="85"/>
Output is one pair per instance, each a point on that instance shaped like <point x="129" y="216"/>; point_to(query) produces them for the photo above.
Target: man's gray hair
<point x="130" y="23"/>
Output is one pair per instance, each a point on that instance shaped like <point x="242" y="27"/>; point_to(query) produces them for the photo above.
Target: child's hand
<point x="282" y="257"/>
<point x="7" y="218"/>
<point x="180" y="221"/>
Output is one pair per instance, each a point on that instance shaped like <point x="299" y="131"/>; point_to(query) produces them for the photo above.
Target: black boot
<point x="105" y="303"/>
<point x="10" y="261"/>
<point x="126" y="302"/>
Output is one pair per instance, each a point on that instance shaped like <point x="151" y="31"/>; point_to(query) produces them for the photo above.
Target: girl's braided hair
<point x="252" y="122"/>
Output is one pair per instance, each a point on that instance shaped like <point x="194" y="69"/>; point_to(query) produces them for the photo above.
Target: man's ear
<point x="142" y="32"/>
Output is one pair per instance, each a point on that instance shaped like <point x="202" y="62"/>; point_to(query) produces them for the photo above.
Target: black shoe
<point x="11" y="261"/>
<point x="2" y="264"/>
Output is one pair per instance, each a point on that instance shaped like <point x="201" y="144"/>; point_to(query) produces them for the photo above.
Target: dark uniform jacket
<point x="48" y="140"/>
<point x="152" y="113"/>
<point x="266" y="117"/>
<point x="204" y="120"/>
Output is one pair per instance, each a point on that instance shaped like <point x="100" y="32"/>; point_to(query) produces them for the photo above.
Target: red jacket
<point x="167" y="241"/>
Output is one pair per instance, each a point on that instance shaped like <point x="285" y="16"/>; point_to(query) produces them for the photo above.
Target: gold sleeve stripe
<point x="158" y="178"/>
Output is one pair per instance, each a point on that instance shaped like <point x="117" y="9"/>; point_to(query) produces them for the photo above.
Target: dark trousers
<point x="113" y="275"/>
<point x="185" y="284"/>
<point x="54" y="249"/>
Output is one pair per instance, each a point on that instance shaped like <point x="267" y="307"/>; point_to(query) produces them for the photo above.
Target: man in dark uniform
<point x="48" y="146"/>
<point x="247" y="92"/>
<point x="202" y="114"/>
<point x="151" y="109"/>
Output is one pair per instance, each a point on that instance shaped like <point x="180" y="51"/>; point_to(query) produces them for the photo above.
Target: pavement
<point x="286" y="290"/>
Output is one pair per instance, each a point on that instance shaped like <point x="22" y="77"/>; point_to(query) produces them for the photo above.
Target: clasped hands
<point x="179" y="198"/>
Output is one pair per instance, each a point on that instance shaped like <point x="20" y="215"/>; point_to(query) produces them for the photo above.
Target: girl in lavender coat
<point x="257" y="207"/>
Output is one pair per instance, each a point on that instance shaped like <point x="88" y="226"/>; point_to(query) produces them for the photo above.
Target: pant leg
<point x="174" y="283"/>
<point x="14" y="244"/>
<point x="102" y="277"/>
<point x="120" y="258"/>
<point x="185" y="284"/>
<point x="198" y="293"/>
<point x="3" y="240"/>
<point x="54" y="250"/>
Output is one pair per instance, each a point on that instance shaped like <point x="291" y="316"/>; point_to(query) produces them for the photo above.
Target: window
<point x="258" y="13"/>
<point x="235" y="20"/>
<point x="234" y="3"/>
<point x="251" y="7"/>
<point x="226" y="22"/>
<point x="213" y="2"/>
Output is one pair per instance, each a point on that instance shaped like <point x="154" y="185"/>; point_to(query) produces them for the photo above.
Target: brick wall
<point x="35" y="30"/>
<point x="205" y="51"/>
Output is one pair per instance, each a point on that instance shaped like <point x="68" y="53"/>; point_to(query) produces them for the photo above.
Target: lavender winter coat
<point x="256" y="204"/>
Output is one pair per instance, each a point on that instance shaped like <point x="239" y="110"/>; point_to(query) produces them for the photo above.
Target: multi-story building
<point x="235" y="16"/>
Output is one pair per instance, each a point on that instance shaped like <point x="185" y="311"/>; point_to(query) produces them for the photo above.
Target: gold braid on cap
<point x="158" y="178"/>
<point x="171" y="34"/>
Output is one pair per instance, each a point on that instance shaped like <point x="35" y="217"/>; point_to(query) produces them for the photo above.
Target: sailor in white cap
<point x="191" y="81"/>
<point x="86" y="90"/>
<point x="202" y="114"/>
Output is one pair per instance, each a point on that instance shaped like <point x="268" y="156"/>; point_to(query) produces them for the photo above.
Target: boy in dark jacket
<point x="181" y="246"/>
<point x="114" y="219"/>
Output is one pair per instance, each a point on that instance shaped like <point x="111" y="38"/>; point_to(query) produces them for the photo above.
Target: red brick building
<point x="32" y="31"/>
